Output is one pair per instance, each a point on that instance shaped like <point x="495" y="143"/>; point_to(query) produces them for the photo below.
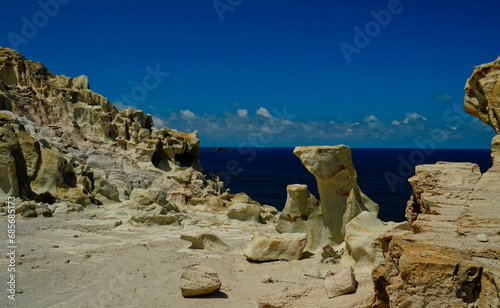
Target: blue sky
<point x="272" y="73"/>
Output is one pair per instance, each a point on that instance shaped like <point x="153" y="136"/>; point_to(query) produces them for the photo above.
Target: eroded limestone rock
<point x="482" y="94"/>
<point x="340" y="197"/>
<point x="302" y="214"/>
<point x="69" y="130"/>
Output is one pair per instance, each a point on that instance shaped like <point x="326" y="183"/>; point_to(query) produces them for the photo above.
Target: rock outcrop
<point x="63" y="141"/>
<point x="452" y="256"/>
<point x="340" y="197"/>
<point x="442" y="261"/>
<point x="482" y="94"/>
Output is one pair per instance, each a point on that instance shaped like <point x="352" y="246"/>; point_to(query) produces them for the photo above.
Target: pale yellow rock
<point x="199" y="280"/>
<point x="209" y="241"/>
<point x="288" y="246"/>
<point x="361" y="233"/>
<point x="302" y="214"/>
<point x="341" y="282"/>
<point x="243" y="214"/>
<point x="340" y="197"/>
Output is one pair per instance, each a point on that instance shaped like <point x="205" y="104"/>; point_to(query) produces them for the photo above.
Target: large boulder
<point x="199" y="280"/>
<point x="482" y="94"/>
<point x="271" y="248"/>
<point x="340" y="196"/>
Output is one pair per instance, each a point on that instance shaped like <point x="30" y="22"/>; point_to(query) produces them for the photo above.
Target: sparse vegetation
<point x="330" y="255"/>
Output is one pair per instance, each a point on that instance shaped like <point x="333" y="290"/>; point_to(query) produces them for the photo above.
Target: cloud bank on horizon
<point x="268" y="128"/>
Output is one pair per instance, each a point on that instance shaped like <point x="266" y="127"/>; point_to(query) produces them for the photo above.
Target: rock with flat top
<point x="264" y="247"/>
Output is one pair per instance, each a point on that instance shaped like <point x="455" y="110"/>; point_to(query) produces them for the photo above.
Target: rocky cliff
<point x="452" y="257"/>
<point x="62" y="142"/>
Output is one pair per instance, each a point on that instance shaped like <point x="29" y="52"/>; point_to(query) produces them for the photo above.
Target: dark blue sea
<point x="382" y="173"/>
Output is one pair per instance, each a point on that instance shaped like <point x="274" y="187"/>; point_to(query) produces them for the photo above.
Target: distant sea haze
<point x="382" y="173"/>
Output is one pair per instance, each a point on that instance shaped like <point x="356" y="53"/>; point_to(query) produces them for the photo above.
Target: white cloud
<point x="263" y="112"/>
<point x="370" y="118"/>
<point x="413" y="116"/>
<point x="158" y="122"/>
<point x="231" y="128"/>
<point x="187" y="114"/>
<point x="242" y="113"/>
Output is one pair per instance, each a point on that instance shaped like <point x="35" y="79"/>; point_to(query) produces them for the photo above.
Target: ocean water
<point x="382" y="173"/>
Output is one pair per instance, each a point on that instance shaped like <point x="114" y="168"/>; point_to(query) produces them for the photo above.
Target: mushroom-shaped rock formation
<point x="340" y="197"/>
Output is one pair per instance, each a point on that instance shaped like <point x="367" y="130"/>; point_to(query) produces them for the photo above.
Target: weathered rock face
<point x="482" y="94"/>
<point x="270" y="248"/>
<point x="444" y="262"/>
<point x="32" y="171"/>
<point x="199" y="280"/>
<point x="361" y="233"/>
<point x="71" y="142"/>
<point x="340" y="197"/>
<point x="440" y="183"/>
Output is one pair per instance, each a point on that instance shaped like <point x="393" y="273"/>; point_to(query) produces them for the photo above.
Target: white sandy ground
<point x="81" y="260"/>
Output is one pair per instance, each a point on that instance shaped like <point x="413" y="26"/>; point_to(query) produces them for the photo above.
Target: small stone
<point x="267" y="279"/>
<point x="87" y="256"/>
<point x="67" y="261"/>
<point x="340" y="283"/>
<point x="75" y="235"/>
<point x="482" y="238"/>
<point x="118" y="223"/>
